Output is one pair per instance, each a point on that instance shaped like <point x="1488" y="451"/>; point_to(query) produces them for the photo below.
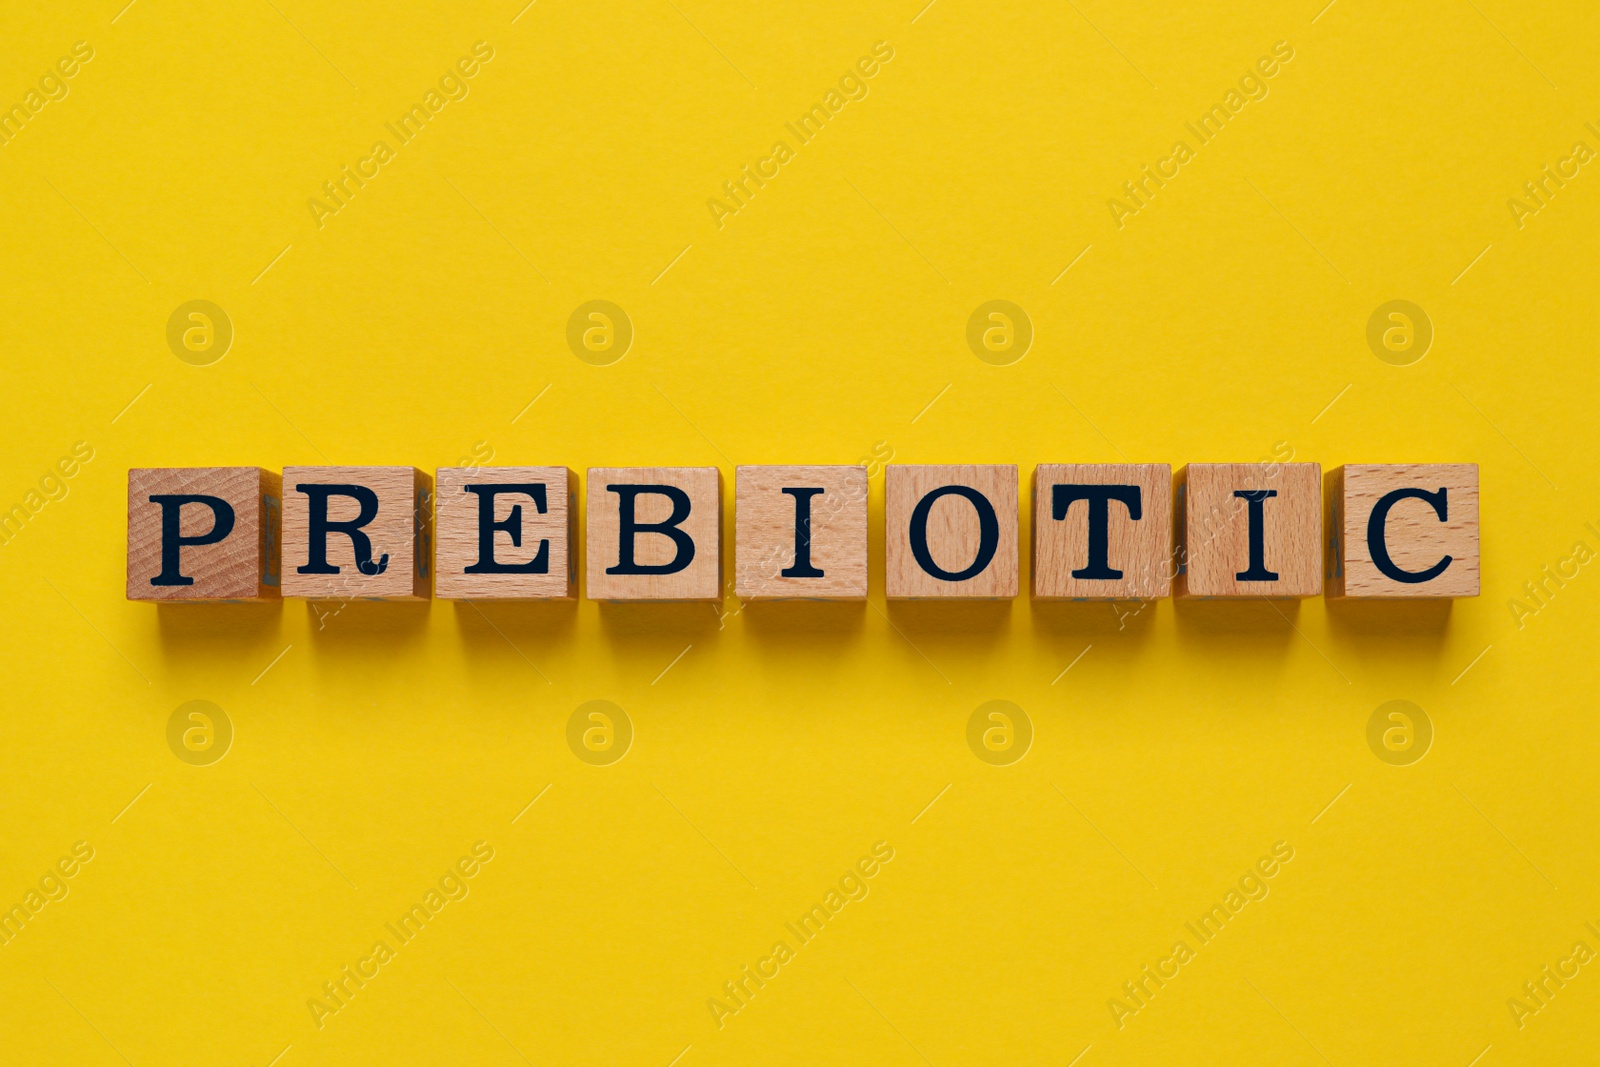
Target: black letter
<point x="802" y="535"/>
<point x="171" y="527"/>
<point x="627" y="529"/>
<point x="318" y="529"/>
<point x="1257" y="571"/>
<point x="1378" y="548"/>
<point x="540" y="563"/>
<point x="988" y="532"/>
<point x="1099" y="498"/>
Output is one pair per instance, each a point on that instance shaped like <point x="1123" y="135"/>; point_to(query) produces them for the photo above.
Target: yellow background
<point x="1219" y="323"/>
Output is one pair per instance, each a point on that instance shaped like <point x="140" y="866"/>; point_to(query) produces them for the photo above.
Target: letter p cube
<point x="203" y="533"/>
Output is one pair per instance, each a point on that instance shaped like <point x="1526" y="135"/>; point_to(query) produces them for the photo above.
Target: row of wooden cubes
<point x="1100" y="532"/>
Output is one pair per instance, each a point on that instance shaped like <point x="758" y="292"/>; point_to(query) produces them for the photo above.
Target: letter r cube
<point x="357" y="533"/>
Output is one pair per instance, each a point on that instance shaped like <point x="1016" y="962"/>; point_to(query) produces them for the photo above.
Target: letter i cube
<point x="800" y="531"/>
<point x="1249" y="530"/>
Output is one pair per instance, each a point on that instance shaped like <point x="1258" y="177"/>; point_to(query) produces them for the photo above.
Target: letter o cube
<point x="950" y="531"/>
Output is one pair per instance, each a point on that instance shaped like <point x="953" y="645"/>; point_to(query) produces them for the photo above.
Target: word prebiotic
<point x="1100" y="531"/>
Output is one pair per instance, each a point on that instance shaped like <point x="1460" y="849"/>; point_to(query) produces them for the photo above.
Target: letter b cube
<point x="655" y="533"/>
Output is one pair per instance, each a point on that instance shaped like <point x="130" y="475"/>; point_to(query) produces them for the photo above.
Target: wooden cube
<point x="655" y="533"/>
<point x="357" y="533"/>
<point x="1403" y="530"/>
<point x="504" y="533"/>
<point x="800" y="532"/>
<point x="950" y="531"/>
<point x="203" y="533"/>
<point x="1102" y="531"/>
<point x="1250" y="530"/>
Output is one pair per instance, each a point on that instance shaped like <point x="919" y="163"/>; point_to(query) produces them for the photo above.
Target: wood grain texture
<point x="1141" y="549"/>
<point x="402" y="529"/>
<point x="1416" y="538"/>
<point x="1214" y="529"/>
<point x="701" y="579"/>
<point x="953" y="531"/>
<point x="765" y="534"/>
<point x="244" y="565"/>
<point x="458" y="513"/>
